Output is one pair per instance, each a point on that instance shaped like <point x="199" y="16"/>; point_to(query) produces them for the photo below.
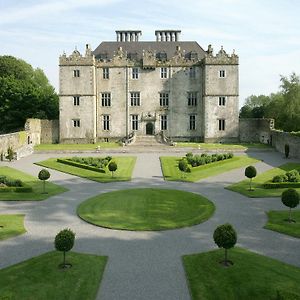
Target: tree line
<point x="25" y="92"/>
<point x="283" y="106"/>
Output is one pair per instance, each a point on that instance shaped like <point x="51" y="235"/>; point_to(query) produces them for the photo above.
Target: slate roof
<point x="135" y="49"/>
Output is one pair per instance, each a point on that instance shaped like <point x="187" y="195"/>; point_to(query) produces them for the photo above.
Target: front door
<point x="149" y="129"/>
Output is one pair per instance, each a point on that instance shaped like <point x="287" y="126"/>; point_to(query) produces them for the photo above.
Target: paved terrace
<point x="145" y="265"/>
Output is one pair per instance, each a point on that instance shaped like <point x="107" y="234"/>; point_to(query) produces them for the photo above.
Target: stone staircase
<point x="148" y="141"/>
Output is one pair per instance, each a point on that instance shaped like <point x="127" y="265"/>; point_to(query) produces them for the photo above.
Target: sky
<point x="264" y="33"/>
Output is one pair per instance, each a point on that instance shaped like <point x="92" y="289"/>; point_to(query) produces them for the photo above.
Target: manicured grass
<point x="252" y="276"/>
<point x="171" y="172"/>
<point x="146" y="209"/>
<point x="123" y="173"/>
<point x="36" y="184"/>
<point x="277" y="221"/>
<point x="55" y="147"/>
<point x="11" y="225"/>
<point x="210" y="146"/>
<point x="40" y="278"/>
<point x="242" y="187"/>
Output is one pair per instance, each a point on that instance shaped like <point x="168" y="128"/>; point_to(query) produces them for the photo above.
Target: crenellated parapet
<point x="77" y="59"/>
<point x="221" y="58"/>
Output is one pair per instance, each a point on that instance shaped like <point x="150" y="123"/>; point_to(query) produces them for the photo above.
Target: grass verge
<point x="40" y="278"/>
<point x="171" y="172"/>
<point x="123" y="173"/>
<point x="146" y="209"/>
<point x="56" y="147"/>
<point x="277" y="222"/>
<point x="36" y="184"/>
<point x="11" y="225"/>
<point x="211" y="146"/>
<point x="259" y="191"/>
<point x="252" y="276"/>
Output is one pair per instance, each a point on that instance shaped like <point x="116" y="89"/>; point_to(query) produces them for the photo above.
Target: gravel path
<point x="145" y="265"/>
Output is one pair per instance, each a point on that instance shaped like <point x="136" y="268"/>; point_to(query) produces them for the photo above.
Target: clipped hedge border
<point x="278" y="185"/>
<point x="16" y="189"/>
<point x="79" y="165"/>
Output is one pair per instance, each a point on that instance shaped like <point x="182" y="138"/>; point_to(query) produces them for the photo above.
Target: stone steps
<point x="148" y="141"/>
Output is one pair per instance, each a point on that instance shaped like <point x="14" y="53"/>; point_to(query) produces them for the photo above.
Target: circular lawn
<point x="146" y="209"/>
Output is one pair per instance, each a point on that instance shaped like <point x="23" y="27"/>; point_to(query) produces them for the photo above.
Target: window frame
<point x="106" y="122"/>
<point x="164" y="99"/>
<point x="76" y="123"/>
<point x="105" y="73"/>
<point x="222" y="73"/>
<point x="76" y="100"/>
<point x="192" y="122"/>
<point x="106" y="99"/>
<point x="192" y="99"/>
<point x="163" y="72"/>
<point x="135" y="73"/>
<point x="192" y="72"/>
<point x="222" y="124"/>
<point x="222" y="100"/>
<point x="163" y="122"/>
<point x="135" y="99"/>
<point x="76" y="73"/>
<point x="134" y="122"/>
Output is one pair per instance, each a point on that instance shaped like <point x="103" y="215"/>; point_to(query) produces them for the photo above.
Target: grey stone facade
<point x="148" y="87"/>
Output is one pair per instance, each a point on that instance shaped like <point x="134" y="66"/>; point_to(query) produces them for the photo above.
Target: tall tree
<point x="24" y="93"/>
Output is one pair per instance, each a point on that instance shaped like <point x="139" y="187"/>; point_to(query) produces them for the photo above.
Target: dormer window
<point x="162" y="56"/>
<point x="193" y="55"/>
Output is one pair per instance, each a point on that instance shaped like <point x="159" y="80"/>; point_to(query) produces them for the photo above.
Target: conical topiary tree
<point x="112" y="167"/>
<point x="250" y="172"/>
<point x="225" y="237"/>
<point x="44" y="175"/>
<point x="290" y="198"/>
<point x="64" y="242"/>
<point x="182" y="166"/>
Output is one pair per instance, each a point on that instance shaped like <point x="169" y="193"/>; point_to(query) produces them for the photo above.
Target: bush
<point x="280" y="178"/>
<point x="219" y="157"/>
<point x="280" y="185"/>
<point x="286" y="150"/>
<point x="44" y="175"/>
<point x="250" y="172"/>
<point x="290" y="198"/>
<point x="292" y="176"/>
<point x="112" y="167"/>
<point x="182" y="165"/>
<point x="10" y="154"/>
<point x="80" y="165"/>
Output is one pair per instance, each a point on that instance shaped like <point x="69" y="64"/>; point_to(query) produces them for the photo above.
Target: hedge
<point x="278" y="185"/>
<point x="16" y="189"/>
<point x="79" y="165"/>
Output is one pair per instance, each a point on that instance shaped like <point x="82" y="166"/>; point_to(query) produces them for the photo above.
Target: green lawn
<point x="242" y="187"/>
<point x="40" y="278"/>
<point x="171" y="172"/>
<point x="11" y="225"/>
<point x="251" y="277"/>
<point x="36" y="184"/>
<point x="146" y="209"/>
<point x="54" y="147"/>
<point x="210" y="146"/>
<point x="123" y="173"/>
<point x="277" y="222"/>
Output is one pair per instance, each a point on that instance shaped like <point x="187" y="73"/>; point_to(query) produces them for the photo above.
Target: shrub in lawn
<point x="44" y="175"/>
<point x="112" y="167"/>
<point x="189" y="155"/>
<point x="230" y="155"/>
<point x="182" y="166"/>
<point x="280" y="178"/>
<point x="10" y="154"/>
<point x="207" y="159"/>
<point x="250" y="172"/>
<point x="290" y="198"/>
<point x="286" y="150"/>
<point x="219" y="157"/>
<point x="292" y="176"/>
<point x="64" y="242"/>
<point x="109" y="158"/>
<point x="225" y="237"/>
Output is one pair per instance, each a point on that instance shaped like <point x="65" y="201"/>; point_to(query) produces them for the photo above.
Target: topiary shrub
<point x="290" y="198"/>
<point x="250" y="172"/>
<point x="182" y="166"/>
<point x="64" y="242"/>
<point x="112" y="167"/>
<point x="280" y="178"/>
<point x="225" y="237"/>
<point x="44" y="175"/>
<point x="287" y="150"/>
<point x="10" y="154"/>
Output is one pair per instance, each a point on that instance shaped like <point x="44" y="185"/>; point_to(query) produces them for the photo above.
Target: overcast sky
<point x="264" y="33"/>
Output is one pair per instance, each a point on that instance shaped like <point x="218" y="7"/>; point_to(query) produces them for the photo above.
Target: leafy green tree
<point x="44" y="175"/>
<point x="24" y="93"/>
<point x="250" y="172"/>
<point x="290" y="198"/>
<point x="225" y="237"/>
<point x="64" y="242"/>
<point x="112" y="167"/>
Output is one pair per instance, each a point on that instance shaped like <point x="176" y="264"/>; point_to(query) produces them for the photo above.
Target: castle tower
<point x="221" y="96"/>
<point x="77" y="97"/>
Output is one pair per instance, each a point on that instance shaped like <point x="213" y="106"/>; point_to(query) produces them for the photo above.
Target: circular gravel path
<point x="146" y="265"/>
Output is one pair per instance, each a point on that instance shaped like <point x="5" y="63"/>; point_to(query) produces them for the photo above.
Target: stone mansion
<point x="148" y="87"/>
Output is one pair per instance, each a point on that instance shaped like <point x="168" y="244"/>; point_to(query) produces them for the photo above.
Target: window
<point x="76" y="73"/>
<point x="106" y="122"/>
<point x="222" y="101"/>
<point x="192" y="72"/>
<point x="76" y="122"/>
<point x="192" y="122"/>
<point x="222" y="73"/>
<point x="105" y="73"/>
<point x="164" y="99"/>
<point x="135" y="99"/>
<point x="105" y="99"/>
<point x="163" y="122"/>
<point x="135" y="73"/>
<point x="134" y="122"/>
<point x="221" y="124"/>
<point x="192" y="98"/>
<point x="76" y="100"/>
<point x="163" y="72"/>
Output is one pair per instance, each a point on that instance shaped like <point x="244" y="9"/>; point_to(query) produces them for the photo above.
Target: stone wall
<point x="15" y="140"/>
<point x="280" y="139"/>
